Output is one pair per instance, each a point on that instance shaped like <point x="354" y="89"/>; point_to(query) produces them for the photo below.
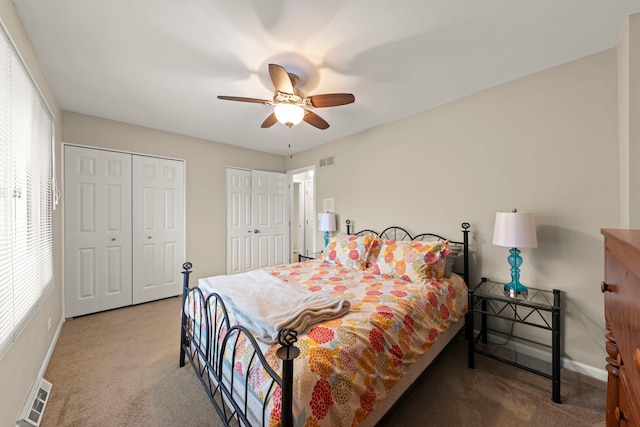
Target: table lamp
<point x="515" y="230"/>
<point x="327" y="223"/>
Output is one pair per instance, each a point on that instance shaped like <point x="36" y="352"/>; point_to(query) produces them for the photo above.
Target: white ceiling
<point x="161" y="63"/>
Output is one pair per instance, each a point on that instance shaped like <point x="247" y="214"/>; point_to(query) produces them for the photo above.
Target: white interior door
<point x="258" y="229"/>
<point x="239" y="227"/>
<point x="270" y="195"/>
<point x="97" y="221"/>
<point x="158" y="228"/>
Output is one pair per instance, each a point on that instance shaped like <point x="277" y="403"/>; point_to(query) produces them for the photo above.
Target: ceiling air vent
<point x="33" y="410"/>
<point x="327" y="161"/>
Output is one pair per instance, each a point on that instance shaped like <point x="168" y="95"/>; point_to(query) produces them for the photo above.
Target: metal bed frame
<point x="213" y="339"/>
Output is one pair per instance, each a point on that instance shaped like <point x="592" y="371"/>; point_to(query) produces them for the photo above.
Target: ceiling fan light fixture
<point x="291" y="106"/>
<point x="288" y="114"/>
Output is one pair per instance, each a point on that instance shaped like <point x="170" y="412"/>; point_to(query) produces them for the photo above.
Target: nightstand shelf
<point x="313" y="255"/>
<point x="540" y="309"/>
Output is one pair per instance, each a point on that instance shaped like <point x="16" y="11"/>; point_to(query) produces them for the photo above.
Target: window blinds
<point x="26" y="217"/>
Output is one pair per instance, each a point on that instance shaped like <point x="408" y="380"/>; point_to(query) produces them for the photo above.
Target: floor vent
<point x="34" y="408"/>
<point x="327" y="161"/>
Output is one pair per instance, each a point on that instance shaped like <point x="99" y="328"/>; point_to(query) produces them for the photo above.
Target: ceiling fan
<point x="291" y="106"/>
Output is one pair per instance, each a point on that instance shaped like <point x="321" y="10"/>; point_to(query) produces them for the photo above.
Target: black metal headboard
<point x="399" y="233"/>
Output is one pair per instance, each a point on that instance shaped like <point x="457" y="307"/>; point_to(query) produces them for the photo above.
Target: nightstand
<point x="313" y="255"/>
<point x="541" y="309"/>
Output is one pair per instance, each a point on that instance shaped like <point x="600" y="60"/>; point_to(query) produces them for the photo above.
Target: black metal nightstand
<point x="541" y="309"/>
<point x="313" y="255"/>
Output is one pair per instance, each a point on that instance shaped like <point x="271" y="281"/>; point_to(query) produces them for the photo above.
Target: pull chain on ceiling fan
<point x="291" y="106"/>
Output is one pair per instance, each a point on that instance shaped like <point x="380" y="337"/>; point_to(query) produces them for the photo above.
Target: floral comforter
<point x="347" y="364"/>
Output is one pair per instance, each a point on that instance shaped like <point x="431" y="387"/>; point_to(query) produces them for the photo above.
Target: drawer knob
<point x="636" y="359"/>
<point x="620" y="416"/>
<point x="606" y="287"/>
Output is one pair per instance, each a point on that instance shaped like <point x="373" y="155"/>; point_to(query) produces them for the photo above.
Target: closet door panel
<point x="97" y="221"/>
<point x="158" y="223"/>
<point x="173" y="223"/>
<point x="239" y="226"/>
<point x="87" y="288"/>
<point x="114" y="272"/>
<point x="271" y="216"/>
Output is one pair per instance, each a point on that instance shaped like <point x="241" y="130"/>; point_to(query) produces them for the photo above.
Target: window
<point x="26" y="195"/>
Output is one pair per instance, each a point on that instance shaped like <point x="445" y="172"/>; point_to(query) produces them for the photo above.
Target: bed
<point x="348" y="370"/>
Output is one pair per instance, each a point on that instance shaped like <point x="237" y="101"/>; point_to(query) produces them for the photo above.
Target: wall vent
<point x="31" y="414"/>
<point x="327" y="161"/>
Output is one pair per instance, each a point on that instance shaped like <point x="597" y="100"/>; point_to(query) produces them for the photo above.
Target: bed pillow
<point x="414" y="261"/>
<point x="349" y="251"/>
<point x="451" y="259"/>
<point x="373" y="252"/>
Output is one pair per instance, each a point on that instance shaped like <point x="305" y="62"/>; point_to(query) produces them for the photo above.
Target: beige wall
<point x="546" y="144"/>
<point x="20" y="366"/>
<point x="205" y="183"/>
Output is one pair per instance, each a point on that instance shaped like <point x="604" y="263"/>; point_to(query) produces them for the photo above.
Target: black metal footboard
<point x="213" y="346"/>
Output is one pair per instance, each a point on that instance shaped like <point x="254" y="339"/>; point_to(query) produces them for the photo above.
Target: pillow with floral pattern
<point x="349" y="251"/>
<point x="374" y="251"/>
<point x="414" y="261"/>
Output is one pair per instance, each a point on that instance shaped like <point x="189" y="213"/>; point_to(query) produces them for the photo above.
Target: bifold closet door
<point x="270" y="212"/>
<point x="158" y="228"/>
<point x="97" y="220"/>
<point x="239" y="221"/>
<point x="258" y="229"/>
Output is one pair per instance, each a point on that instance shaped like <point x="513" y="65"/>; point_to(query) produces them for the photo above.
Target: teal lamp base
<point x="515" y="289"/>
<point x="326" y="238"/>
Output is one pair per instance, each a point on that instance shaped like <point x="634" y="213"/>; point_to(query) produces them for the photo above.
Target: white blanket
<point x="265" y="304"/>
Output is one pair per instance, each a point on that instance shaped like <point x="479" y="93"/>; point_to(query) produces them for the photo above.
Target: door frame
<point x="298" y="192"/>
<point x="292" y="172"/>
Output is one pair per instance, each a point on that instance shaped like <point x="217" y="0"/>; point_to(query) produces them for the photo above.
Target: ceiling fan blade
<point x="241" y="99"/>
<point x="280" y="78"/>
<point x="315" y="120"/>
<point x="269" y="121"/>
<point x="330" y="100"/>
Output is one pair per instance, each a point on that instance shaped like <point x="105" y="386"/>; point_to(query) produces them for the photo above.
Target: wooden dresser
<point x="621" y="288"/>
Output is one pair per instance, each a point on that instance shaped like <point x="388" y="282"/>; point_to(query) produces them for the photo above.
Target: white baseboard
<point x="572" y="365"/>
<point x="41" y="372"/>
<point x="52" y="346"/>
<point x="590" y="371"/>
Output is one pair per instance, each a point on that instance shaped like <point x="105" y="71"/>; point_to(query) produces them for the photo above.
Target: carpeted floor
<point x="120" y="368"/>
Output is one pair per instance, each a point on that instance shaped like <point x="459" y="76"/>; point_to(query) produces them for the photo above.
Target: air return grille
<point x="34" y="408"/>
<point x="327" y="161"/>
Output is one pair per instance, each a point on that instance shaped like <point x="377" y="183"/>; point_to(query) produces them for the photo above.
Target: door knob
<point x="148" y="237"/>
<point x="256" y="231"/>
<point x="113" y="239"/>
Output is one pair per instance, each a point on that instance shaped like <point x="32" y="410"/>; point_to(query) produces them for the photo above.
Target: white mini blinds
<point x="26" y="196"/>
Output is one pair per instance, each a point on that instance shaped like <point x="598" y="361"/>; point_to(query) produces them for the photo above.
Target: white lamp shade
<point x="515" y="230"/>
<point x="327" y="222"/>
<point x="288" y="114"/>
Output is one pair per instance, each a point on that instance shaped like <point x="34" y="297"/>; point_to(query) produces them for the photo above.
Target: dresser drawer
<point x="628" y="411"/>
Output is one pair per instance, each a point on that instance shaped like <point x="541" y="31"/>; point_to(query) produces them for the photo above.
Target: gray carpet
<point x="120" y="368"/>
